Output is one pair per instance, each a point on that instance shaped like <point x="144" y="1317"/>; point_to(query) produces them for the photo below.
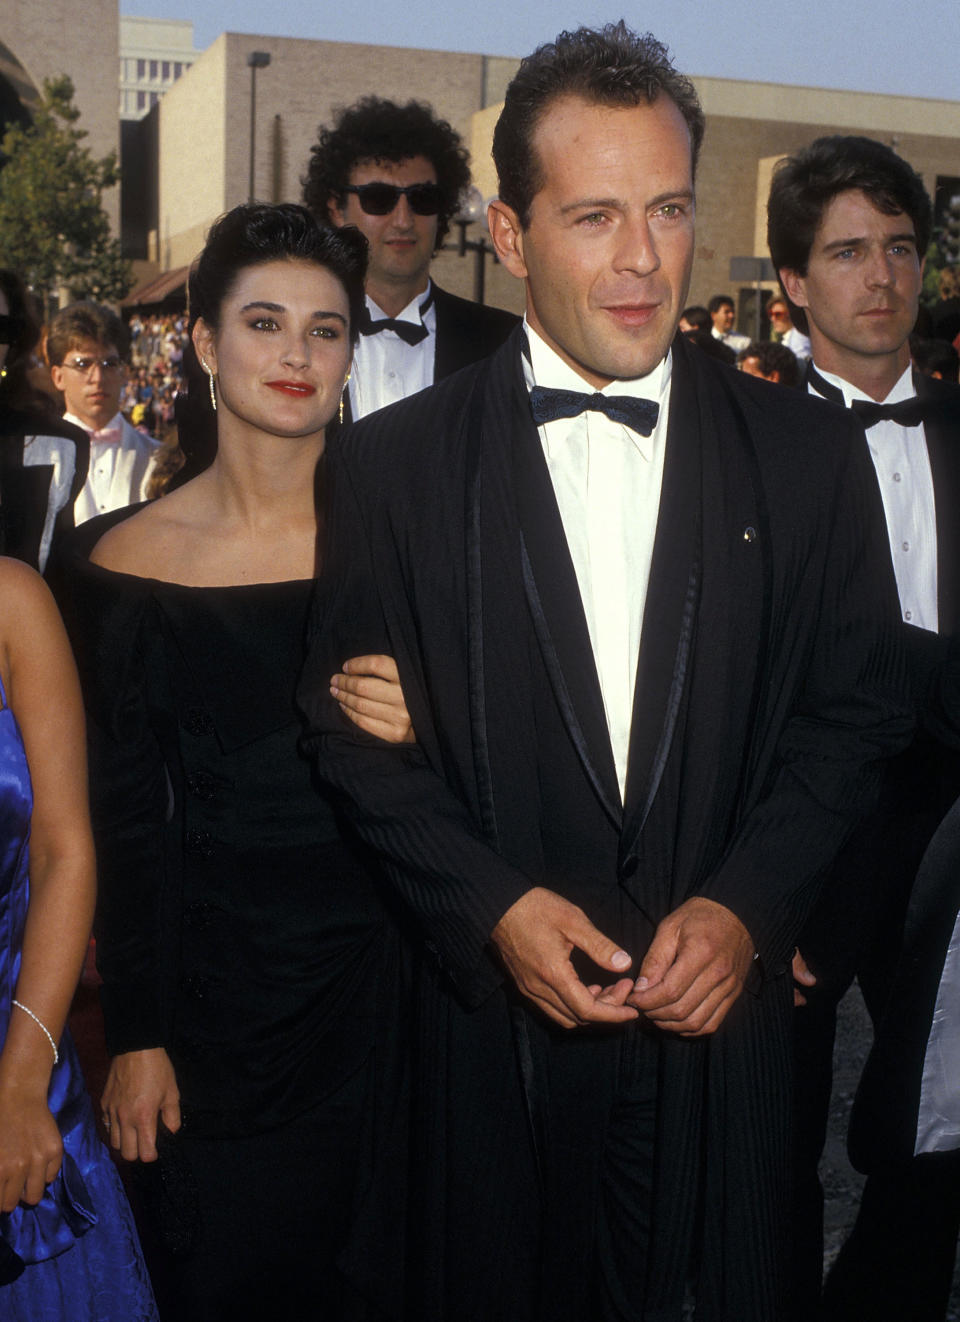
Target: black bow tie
<point x="640" y="415"/>
<point x="409" y="331"/>
<point x="906" y="412"/>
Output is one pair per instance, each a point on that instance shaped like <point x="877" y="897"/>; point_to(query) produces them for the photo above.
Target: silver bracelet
<point x="43" y="1029"/>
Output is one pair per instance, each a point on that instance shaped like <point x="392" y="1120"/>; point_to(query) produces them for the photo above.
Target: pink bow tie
<point x="108" y="435"/>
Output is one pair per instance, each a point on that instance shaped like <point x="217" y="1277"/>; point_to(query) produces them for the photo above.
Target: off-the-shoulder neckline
<point x="151" y="582"/>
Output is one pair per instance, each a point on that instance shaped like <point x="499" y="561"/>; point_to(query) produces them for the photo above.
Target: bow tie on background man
<point x="107" y="435"/>
<point x="906" y="412"/>
<point x="547" y="405"/>
<point x="409" y="331"/>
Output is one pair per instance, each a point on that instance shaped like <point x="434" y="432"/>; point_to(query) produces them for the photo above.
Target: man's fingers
<point x="802" y="972"/>
<point x="604" y="952"/>
<point x="659" y="958"/>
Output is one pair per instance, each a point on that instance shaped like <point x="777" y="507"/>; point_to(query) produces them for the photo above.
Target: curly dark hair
<point x="373" y="129"/>
<point x="806" y="183"/>
<point x="607" y="66"/>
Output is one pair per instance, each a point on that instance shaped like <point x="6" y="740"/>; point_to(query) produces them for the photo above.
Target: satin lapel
<point x="555" y="605"/>
<point x="670" y="613"/>
<point x="942" y="432"/>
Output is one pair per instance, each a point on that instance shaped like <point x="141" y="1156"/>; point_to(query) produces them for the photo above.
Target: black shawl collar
<point x="709" y="497"/>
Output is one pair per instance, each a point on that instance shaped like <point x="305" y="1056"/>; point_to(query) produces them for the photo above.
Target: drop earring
<point x="343" y="393"/>
<point x="213" y="391"/>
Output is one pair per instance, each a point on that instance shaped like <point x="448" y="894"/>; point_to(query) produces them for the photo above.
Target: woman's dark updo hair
<point x="255" y="233"/>
<point x="14" y="387"/>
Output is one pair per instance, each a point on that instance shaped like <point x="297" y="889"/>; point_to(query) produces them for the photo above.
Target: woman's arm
<point x="42" y="689"/>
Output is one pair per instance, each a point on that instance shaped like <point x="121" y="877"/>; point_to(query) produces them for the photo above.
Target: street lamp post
<point x="472" y="210"/>
<point x="256" y="59"/>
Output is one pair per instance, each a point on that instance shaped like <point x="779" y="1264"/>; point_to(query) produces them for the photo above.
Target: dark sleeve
<point x="397" y="797"/>
<point x="941" y="693"/>
<point x="852" y="709"/>
<point x="110" y="620"/>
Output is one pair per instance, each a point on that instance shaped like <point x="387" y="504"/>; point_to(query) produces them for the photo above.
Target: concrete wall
<point x="55" y="38"/>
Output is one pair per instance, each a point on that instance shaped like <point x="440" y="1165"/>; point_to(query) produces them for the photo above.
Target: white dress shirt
<point x="797" y="343"/>
<point x="607" y="481"/>
<point x="731" y="339"/>
<point x="902" y="464"/>
<point x="120" y="468"/>
<point x="387" y="369"/>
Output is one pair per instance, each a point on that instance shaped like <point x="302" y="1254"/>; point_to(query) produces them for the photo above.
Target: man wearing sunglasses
<point x="86" y="349"/>
<point x="397" y="173"/>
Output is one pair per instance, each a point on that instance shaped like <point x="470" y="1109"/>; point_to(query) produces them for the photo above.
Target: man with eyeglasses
<point x="86" y="349"/>
<point x="397" y="173"/>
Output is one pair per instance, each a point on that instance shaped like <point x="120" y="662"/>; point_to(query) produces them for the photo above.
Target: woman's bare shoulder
<point x="145" y="541"/>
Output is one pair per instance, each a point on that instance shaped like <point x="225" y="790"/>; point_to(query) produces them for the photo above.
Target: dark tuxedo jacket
<point x="769" y="684"/>
<point x="884" y="1121"/>
<point x="466" y="332"/>
<point x="856" y="928"/>
<point x="30" y="506"/>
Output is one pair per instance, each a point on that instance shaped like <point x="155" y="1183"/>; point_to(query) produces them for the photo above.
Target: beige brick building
<point x="39" y="41"/>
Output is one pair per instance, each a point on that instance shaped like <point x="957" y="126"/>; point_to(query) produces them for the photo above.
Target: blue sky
<point x="884" y="46"/>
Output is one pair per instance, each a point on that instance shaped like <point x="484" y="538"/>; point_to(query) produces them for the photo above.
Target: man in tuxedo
<point x="849" y="224"/>
<point x="87" y="346"/>
<point x="398" y="173"/>
<point x="723" y="314"/>
<point x="650" y="678"/>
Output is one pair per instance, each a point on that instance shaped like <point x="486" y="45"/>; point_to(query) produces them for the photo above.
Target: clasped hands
<point x="689" y="978"/>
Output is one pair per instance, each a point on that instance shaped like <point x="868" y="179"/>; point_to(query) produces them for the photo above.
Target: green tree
<point x="53" y="228"/>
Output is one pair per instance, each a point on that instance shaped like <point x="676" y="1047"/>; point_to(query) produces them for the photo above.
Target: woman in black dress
<point x="251" y="974"/>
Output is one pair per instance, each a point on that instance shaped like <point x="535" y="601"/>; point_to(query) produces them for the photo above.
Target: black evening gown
<point x="240" y="930"/>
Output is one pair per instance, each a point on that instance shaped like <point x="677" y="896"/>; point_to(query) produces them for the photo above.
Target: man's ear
<point x="506" y="234"/>
<point x="203" y="342"/>
<point x="335" y="212"/>
<point x="56" y="376"/>
<point x="794" y="285"/>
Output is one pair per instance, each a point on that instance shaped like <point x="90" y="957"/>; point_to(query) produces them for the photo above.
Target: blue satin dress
<point x="75" y="1257"/>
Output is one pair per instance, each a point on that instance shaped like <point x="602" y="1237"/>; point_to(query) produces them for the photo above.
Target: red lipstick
<point x="297" y="389"/>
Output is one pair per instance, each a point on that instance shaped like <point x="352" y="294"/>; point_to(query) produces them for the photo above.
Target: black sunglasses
<point x="10" y="328"/>
<point x="380" y="199"/>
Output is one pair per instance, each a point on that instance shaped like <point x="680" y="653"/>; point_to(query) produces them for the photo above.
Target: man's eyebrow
<point x="907" y="237"/>
<point x="617" y="204"/>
